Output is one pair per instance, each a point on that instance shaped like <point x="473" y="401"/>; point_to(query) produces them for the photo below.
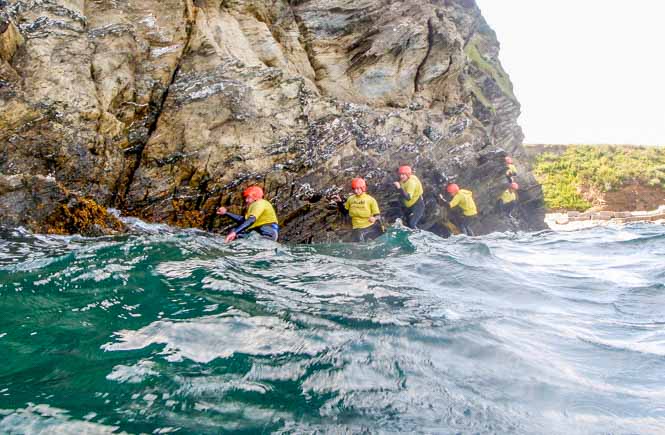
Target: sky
<point x="584" y="71"/>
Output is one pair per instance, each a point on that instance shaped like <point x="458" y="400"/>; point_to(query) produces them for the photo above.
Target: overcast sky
<point x="584" y="71"/>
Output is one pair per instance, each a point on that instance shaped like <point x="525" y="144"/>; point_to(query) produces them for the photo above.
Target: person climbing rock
<point x="511" y="170"/>
<point x="462" y="208"/>
<point x="508" y="199"/>
<point x="411" y="193"/>
<point x="363" y="210"/>
<point x="260" y="216"/>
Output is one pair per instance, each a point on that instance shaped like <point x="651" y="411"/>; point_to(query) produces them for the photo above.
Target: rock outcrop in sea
<point x="166" y="109"/>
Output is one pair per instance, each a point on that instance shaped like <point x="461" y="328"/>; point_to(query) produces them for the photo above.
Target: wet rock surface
<point x="43" y="205"/>
<point x="167" y="109"/>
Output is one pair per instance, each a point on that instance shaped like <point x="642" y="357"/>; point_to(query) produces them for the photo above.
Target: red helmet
<point x="406" y="170"/>
<point x="514" y="186"/>
<point x="452" y="188"/>
<point x="254" y="191"/>
<point x="358" y="183"/>
<point x="509" y="160"/>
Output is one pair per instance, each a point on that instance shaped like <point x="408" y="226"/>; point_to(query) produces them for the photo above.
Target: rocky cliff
<point x="165" y="109"/>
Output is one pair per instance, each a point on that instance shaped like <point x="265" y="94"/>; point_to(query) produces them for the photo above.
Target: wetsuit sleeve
<point x="406" y="195"/>
<point x="246" y="224"/>
<point x="235" y="217"/>
<point x="343" y="207"/>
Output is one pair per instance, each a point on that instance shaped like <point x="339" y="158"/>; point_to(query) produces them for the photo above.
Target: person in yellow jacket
<point x="463" y="208"/>
<point x="364" y="212"/>
<point x="411" y="192"/>
<point x="508" y="199"/>
<point x="260" y="216"/>
<point x="511" y="170"/>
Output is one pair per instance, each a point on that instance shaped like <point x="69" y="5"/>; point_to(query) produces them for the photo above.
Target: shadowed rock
<point x="42" y="205"/>
<point x="166" y="109"/>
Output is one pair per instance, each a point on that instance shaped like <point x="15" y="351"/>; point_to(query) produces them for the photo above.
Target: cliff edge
<point x="165" y="109"/>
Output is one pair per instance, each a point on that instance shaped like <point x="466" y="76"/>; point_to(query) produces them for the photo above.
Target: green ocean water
<point x="170" y="331"/>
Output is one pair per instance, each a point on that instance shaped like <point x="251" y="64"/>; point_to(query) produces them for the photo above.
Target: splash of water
<point x="172" y="330"/>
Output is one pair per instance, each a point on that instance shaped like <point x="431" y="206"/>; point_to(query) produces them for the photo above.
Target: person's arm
<point x="403" y="193"/>
<point x="455" y="201"/>
<point x="240" y="228"/>
<point x="341" y="205"/>
<point x="222" y="211"/>
<point x="236" y="217"/>
<point x="374" y="210"/>
<point x="245" y="224"/>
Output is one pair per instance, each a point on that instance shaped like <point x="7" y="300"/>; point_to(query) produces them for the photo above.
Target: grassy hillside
<point x="599" y="168"/>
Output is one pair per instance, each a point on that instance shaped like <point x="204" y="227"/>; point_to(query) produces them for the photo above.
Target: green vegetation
<point x="603" y="168"/>
<point x="497" y="74"/>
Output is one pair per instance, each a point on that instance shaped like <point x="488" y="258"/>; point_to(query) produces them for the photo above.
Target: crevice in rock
<point x="430" y="40"/>
<point x="97" y="93"/>
<point x="92" y="69"/>
<point x="306" y="46"/>
<point x="160" y="106"/>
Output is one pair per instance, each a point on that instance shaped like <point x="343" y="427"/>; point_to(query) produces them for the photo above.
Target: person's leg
<point x="268" y="232"/>
<point x="373" y="232"/>
<point x="369" y="233"/>
<point x="466" y="223"/>
<point x="406" y="216"/>
<point x="415" y="213"/>
<point x="456" y="219"/>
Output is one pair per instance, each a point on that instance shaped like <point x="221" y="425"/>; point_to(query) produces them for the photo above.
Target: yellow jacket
<point x="464" y="200"/>
<point x="414" y="188"/>
<point x="360" y="208"/>
<point x="263" y="211"/>
<point x="508" y="196"/>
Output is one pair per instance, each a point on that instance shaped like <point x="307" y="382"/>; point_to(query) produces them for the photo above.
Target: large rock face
<point x="167" y="108"/>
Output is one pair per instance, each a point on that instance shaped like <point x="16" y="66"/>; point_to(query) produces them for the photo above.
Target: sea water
<point x="170" y="330"/>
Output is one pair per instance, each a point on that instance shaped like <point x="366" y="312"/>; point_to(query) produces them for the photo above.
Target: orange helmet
<point x="358" y="183"/>
<point x="514" y="186"/>
<point x="452" y="188"/>
<point x="509" y="160"/>
<point x="406" y="170"/>
<point x="254" y="191"/>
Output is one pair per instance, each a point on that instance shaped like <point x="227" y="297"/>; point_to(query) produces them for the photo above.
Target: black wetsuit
<point x="369" y="233"/>
<point x="457" y="217"/>
<point x="269" y="231"/>
<point x="506" y="208"/>
<point x="414" y="213"/>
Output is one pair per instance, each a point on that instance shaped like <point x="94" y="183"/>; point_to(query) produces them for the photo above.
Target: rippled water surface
<point x="172" y="331"/>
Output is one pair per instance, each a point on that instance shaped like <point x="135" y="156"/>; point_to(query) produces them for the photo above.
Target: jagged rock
<point x="42" y="205"/>
<point x="10" y="39"/>
<point x="166" y="109"/>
